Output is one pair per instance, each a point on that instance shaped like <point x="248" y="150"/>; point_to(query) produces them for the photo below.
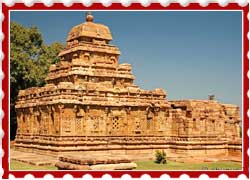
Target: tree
<point x="30" y="59"/>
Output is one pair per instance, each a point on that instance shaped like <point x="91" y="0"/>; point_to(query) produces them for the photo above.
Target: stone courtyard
<point x="90" y="106"/>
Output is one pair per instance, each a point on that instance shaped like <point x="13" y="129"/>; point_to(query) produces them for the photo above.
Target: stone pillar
<point x="56" y="123"/>
<point x="19" y="121"/>
<point x="87" y="119"/>
<point x="36" y="120"/>
<point x="149" y="121"/>
<point x="107" y="120"/>
<point x="80" y="116"/>
<point x="31" y="119"/>
<point x="66" y="121"/>
<point x="53" y="120"/>
<point x="84" y="119"/>
<point x="174" y="125"/>
<point x="61" y="110"/>
<point x="238" y="130"/>
<point x="49" y="124"/>
<point x="26" y="121"/>
<point x="128" y="121"/>
<point x="44" y="121"/>
<point x="39" y="120"/>
<point x="202" y="127"/>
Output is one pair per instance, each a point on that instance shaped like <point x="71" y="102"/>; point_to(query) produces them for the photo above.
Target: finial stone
<point x="89" y="17"/>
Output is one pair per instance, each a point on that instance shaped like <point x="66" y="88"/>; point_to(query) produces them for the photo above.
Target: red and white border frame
<point x="117" y="6"/>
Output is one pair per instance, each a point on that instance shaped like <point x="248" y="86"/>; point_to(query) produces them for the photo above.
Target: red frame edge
<point x="118" y="6"/>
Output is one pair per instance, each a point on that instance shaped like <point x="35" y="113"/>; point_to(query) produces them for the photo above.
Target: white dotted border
<point x="107" y="3"/>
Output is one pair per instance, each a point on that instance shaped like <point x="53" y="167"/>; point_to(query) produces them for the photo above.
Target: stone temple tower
<point x="91" y="105"/>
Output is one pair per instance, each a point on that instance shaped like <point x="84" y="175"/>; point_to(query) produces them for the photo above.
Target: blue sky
<point x="189" y="54"/>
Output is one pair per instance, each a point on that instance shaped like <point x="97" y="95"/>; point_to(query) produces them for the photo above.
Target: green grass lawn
<point x="16" y="165"/>
<point x="172" y="165"/>
<point x="148" y="165"/>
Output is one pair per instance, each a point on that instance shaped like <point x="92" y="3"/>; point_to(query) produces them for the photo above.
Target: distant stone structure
<point x="90" y="106"/>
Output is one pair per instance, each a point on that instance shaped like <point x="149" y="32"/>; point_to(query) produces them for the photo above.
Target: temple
<point x="91" y="106"/>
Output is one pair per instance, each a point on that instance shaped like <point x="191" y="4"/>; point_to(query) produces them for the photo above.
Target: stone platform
<point x="32" y="158"/>
<point x="76" y="163"/>
<point x="73" y="162"/>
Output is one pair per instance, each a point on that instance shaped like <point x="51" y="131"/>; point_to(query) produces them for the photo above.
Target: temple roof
<point x="89" y="29"/>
